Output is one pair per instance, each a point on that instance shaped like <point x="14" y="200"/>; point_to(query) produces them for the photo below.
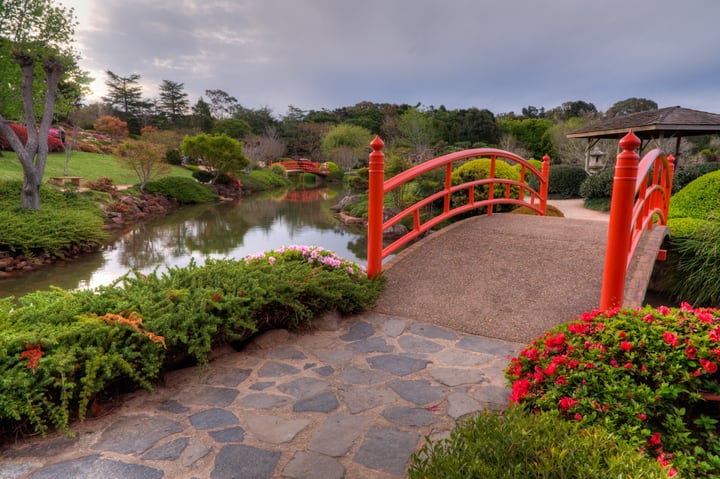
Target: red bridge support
<point x="639" y="202"/>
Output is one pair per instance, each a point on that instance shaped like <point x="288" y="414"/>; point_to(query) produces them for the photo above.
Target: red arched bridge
<point x="304" y="166"/>
<point x="512" y="276"/>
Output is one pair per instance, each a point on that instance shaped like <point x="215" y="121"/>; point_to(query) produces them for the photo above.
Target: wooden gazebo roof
<point x="666" y="123"/>
<point x="672" y="122"/>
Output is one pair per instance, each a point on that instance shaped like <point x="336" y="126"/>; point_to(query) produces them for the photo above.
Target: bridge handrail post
<point x="619" y="231"/>
<point x="376" y="197"/>
<point x="544" y="186"/>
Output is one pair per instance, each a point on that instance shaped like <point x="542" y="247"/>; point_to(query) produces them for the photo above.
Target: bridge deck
<point x="509" y="277"/>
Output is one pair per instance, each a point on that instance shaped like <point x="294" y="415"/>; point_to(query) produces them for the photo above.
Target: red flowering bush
<point x="644" y="374"/>
<point x="54" y="144"/>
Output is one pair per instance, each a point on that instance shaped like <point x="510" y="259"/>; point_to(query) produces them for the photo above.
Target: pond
<point x="259" y="222"/>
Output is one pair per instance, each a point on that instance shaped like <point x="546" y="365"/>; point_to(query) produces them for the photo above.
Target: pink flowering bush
<point x="644" y="374"/>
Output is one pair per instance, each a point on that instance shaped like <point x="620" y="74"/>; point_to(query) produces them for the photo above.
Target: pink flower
<point x="670" y="338"/>
<point x="567" y="403"/>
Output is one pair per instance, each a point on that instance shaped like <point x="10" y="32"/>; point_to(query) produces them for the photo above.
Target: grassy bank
<point x="89" y="166"/>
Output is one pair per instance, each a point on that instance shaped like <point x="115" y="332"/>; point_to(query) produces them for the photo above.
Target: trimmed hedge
<point x="699" y="199"/>
<point x="564" y="181"/>
<point x="480" y="169"/>
<point x="598" y="185"/>
<point x="184" y="190"/>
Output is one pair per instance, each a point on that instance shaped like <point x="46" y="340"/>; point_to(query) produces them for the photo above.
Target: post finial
<point x="630" y="142"/>
<point x="377" y="144"/>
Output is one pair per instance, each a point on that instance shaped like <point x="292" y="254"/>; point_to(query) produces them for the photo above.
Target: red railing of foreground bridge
<point x="379" y="187"/>
<point x="640" y="201"/>
<point x="304" y="166"/>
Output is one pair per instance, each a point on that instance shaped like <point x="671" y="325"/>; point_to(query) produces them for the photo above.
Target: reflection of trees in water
<point x="220" y="228"/>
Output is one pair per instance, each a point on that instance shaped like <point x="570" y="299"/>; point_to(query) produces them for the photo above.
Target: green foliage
<point x="345" y="144"/>
<point x="265" y="179"/>
<point x="184" y="190"/>
<point x="684" y="227"/>
<point x="528" y="175"/>
<point x="639" y="373"/>
<point x="86" y="340"/>
<point x="683" y="177"/>
<point x="565" y="181"/>
<point x="220" y="153"/>
<point x="695" y="249"/>
<point x="68" y="219"/>
<point x="203" y="176"/>
<point x="360" y="181"/>
<point x="598" y="185"/>
<point x="55" y="359"/>
<point x="534" y="134"/>
<point x="232" y="127"/>
<point x="173" y="156"/>
<point x="480" y="169"/>
<point x="698" y="199"/>
<point x="516" y="444"/>
<point x="335" y="173"/>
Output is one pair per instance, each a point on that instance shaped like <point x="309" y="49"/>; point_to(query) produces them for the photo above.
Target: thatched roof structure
<point x="665" y="123"/>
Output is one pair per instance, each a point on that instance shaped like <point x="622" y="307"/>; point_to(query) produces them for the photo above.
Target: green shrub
<point x="278" y="169"/>
<point x="528" y="175"/>
<point x="598" y="185"/>
<point x="639" y="373"/>
<point x="517" y="444"/>
<point x="173" y="156"/>
<point x="696" y="259"/>
<point x="66" y="219"/>
<point x="56" y="358"/>
<point x="203" y="176"/>
<point x="335" y="173"/>
<point x="360" y="182"/>
<point x="184" y="190"/>
<point x="683" y="177"/>
<point x="60" y="349"/>
<point x="265" y="179"/>
<point x="698" y="199"/>
<point x="565" y="181"/>
<point x="480" y="169"/>
<point x="684" y="227"/>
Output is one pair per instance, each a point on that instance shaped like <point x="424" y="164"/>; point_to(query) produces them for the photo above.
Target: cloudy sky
<point x="502" y="55"/>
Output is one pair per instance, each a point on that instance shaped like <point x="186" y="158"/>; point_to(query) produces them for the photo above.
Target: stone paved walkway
<point x="354" y="398"/>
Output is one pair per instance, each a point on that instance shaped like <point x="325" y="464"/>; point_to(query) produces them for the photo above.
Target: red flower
<point x="691" y="352"/>
<point x="628" y="366"/>
<point x="655" y="440"/>
<point x="708" y="366"/>
<point x="567" y="403"/>
<point x="663" y="310"/>
<point x="578" y="328"/>
<point x="561" y="381"/>
<point x="216" y="297"/>
<point x="515" y="368"/>
<point x="520" y="389"/>
<point x="642" y="416"/>
<point x="714" y="335"/>
<point x="670" y="338"/>
<point x="578" y="416"/>
<point x="626" y="346"/>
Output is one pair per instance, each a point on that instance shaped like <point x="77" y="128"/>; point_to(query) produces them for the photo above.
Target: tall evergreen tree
<point x="173" y="100"/>
<point x="124" y="94"/>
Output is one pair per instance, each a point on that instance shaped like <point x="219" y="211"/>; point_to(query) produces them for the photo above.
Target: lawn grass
<point x="89" y="166"/>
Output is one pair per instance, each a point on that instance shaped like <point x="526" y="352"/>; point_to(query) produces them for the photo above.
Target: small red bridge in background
<point x="304" y="166"/>
<point x="513" y="276"/>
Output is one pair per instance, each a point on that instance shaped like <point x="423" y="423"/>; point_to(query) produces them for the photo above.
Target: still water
<point x="259" y="222"/>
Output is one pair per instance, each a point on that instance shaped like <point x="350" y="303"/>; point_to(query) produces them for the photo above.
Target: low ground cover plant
<point x="644" y="374"/>
<point x="519" y="444"/>
<point x="60" y="350"/>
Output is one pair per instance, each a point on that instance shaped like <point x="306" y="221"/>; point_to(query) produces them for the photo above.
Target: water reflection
<point x="256" y="223"/>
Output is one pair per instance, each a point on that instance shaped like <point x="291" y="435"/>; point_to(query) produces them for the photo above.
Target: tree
<point x="345" y="144"/>
<point x="418" y="129"/>
<point x="124" y="93"/>
<point x="145" y="159"/>
<point x="111" y="126"/>
<point x="265" y="147"/>
<point x="630" y="105"/>
<point x="232" y="127"/>
<point x="173" y="100"/>
<point x="219" y="153"/>
<point x="222" y="105"/>
<point x="202" y="116"/>
<point x="35" y="32"/>
<point x="533" y="133"/>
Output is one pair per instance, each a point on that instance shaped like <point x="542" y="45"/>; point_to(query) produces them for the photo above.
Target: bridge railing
<point x="304" y="166"/>
<point x="640" y="200"/>
<point x="524" y="195"/>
